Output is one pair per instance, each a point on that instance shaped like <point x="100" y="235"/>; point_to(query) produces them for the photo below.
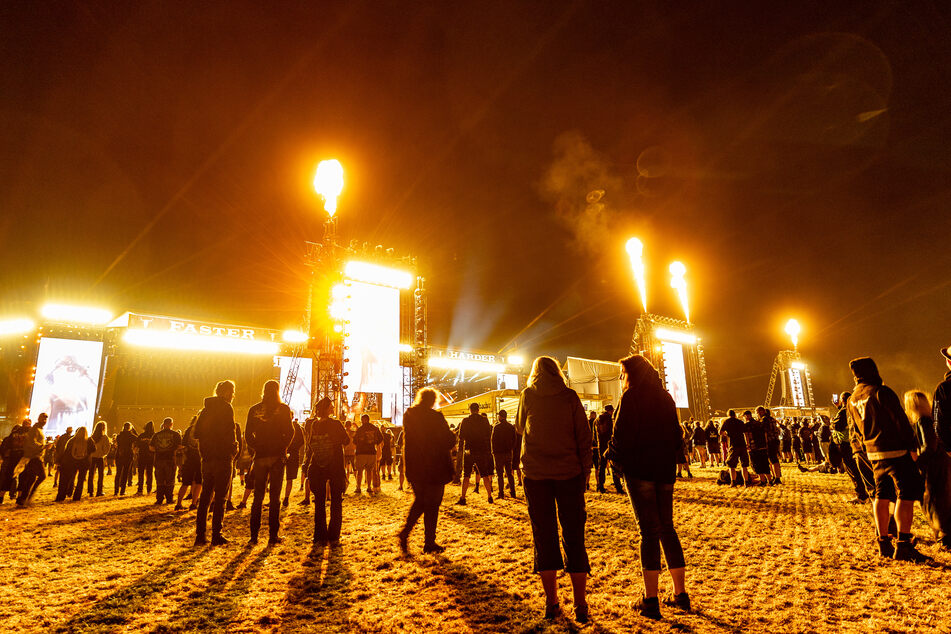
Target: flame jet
<point x="678" y="283"/>
<point x="328" y="182"/>
<point x="635" y="249"/>
<point x="793" y="329"/>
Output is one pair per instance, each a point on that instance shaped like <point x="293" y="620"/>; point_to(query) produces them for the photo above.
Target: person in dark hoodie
<point x="269" y="431"/>
<point x="840" y="438"/>
<point x="34" y="472"/>
<point x="163" y="446"/>
<point x="427" y="447"/>
<point x="325" y="441"/>
<point x="891" y="446"/>
<point x="556" y="459"/>
<point x="218" y="443"/>
<point x="645" y="445"/>
<point x="503" y="444"/>
<point x="12" y="452"/>
<point x="125" y="442"/>
<point x="941" y="408"/>
<point x="475" y="440"/>
<point x="146" y="458"/>
<point x="605" y="428"/>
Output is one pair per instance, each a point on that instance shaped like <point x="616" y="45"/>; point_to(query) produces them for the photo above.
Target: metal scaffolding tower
<point x="795" y="383"/>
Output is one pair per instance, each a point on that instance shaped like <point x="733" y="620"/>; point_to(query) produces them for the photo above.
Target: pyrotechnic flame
<point x="793" y="329"/>
<point x="678" y="283"/>
<point x="328" y="182"/>
<point x="635" y="249"/>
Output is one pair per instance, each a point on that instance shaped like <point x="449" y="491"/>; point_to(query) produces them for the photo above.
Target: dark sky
<point x="157" y="156"/>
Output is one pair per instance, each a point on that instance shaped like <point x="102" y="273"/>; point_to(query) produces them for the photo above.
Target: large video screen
<point x="675" y="376"/>
<point x="300" y="402"/>
<point x="373" y="337"/>
<point x="795" y="383"/>
<point x="66" y="384"/>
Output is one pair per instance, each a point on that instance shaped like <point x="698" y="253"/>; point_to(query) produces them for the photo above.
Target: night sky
<point x="158" y="156"/>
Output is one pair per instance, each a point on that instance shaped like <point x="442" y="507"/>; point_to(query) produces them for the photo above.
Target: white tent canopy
<point x="592" y="378"/>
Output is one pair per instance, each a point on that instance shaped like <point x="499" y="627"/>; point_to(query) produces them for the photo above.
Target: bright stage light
<point x="441" y="363"/>
<point x="675" y="336"/>
<point x="294" y="336"/>
<point x="635" y="249"/>
<point x="179" y="341"/>
<point x="677" y="282"/>
<point x="405" y="347"/>
<point x="516" y="359"/>
<point x="793" y="329"/>
<point x="16" y="326"/>
<point x="76" y="314"/>
<point x="376" y="274"/>
<point x="798" y="365"/>
<point x="328" y="182"/>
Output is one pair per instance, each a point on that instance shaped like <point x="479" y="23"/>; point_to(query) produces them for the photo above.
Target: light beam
<point x="678" y="283"/>
<point x="635" y="249"/>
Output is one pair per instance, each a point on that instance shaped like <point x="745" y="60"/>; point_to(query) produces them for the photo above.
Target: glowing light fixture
<point x="441" y="363"/>
<point x="516" y="359"/>
<point x="675" y="336"/>
<point x="179" y="341"/>
<point x="16" y="326"/>
<point x="793" y="329"/>
<point x="328" y="182"/>
<point x="635" y="249"/>
<point x="798" y="365"/>
<point x="376" y="274"/>
<point x="405" y="347"/>
<point x="76" y="314"/>
<point x="678" y="283"/>
<point x="294" y="336"/>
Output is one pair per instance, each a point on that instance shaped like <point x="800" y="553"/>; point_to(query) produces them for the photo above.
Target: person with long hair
<point x="327" y="473"/>
<point x="125" y="442"/>
<point x="646" y="446"/>
<point x="145" y="462"/>
<point x="556" y="459"/>
<point x="269" y="431"/>
<point x="97" y="460"/>
<point x="427" y="447"/>
<point x="934" y="464"/>
<point x="75" y="465"/>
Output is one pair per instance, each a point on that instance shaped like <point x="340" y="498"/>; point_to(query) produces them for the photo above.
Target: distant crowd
<point x="894" y="452"/>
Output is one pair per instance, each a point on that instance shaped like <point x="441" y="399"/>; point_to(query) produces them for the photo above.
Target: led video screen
<point x="675" y="377"/>
<point x="795" y="383"/>
<point x="67" y="382"/>
<point x="300" y="402"/>
<point x="372" y="359"/>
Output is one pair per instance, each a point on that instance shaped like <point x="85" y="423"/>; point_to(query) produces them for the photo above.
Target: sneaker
<point x="253" y="541"/>
<point x="906" y="551"/>
<point x="552" y="612"/>
<point x="650" y="608"/>
<point x="461" y="502"/>
<point x="581" y="613"/>
<point x="434" y="549"/>
<point x="681" y="601"/>
<point x="219" y="540"/>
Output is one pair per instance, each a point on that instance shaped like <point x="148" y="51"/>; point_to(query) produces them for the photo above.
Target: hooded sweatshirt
<point x="877" y="414"/>
<point x="556" y="438"/>
<point x="941" y="411"/>
<point x="270" y="429"/>
<point x="216" y="431"/>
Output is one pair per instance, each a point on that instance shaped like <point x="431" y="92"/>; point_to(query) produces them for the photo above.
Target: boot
<point x="905" y="550"/>
<point x="885" y="547"/>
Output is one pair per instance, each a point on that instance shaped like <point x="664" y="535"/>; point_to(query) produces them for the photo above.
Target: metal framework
<point x="646" y="343"/>
<point x="785" y="361"/>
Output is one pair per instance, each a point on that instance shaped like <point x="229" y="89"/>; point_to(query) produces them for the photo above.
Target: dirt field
<point x="796" y="558"/>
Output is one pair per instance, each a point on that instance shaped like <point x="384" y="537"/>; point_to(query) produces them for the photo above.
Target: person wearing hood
<point x="12" y="452"/>
<point x="218" y="443"/>
<point x="605" y="429"/>
<point x="941" y="410"/>
<point x="146" y="458"/>
<point x="556" y="459"/>
<point x="33" y="472"/>
<point x="163" y="446"/>
<point x="97" y="461"/>
<point x="125" y="443"/>
<point x="268" y="432"/>
<point x="876" y="411"/>
<point x="75" y="465"/>
<point x="60" y="450"/>
<point x="475" y="441"/>
<point x="326" y="471"/>
<point x="645" y="447"/>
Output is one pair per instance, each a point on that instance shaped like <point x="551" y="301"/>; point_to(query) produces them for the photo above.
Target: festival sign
<point x="154" y="323"/>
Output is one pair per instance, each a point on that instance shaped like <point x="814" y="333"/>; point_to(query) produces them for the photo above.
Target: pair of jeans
<point x="123" y="470"/>
<point x="216" y="476"/>
<point x="164" y="479"/>
<point x="96" y="468"/>
<point x="81" y="470"/>
<point x="319" y="481"/>
<point x="144" y="468"/>
<point x="852" y="468"/>
<point x="30" y="480"/>
<point x="551" y="502"/>
<point x="654" y="507"/>
<point x="426" y="500"/>
<point x="67" y="479"/>
<point x="503" y="466"/>
<point x="602" y="466"/>
<point x="264" y="470"/>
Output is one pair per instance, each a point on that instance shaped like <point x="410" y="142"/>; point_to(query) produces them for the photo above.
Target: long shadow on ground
<point x="318" y="595"/>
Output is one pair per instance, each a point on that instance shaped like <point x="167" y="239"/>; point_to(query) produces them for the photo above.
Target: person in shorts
<point x="191" y="470"/>
<point x="734" y="431"/>
<point x="366" y="439"/>
<point x="475" y="439"/>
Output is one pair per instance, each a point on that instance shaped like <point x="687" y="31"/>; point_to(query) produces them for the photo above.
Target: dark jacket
<point x="143" y="444"/>
<point x="366" y="438"/>
<point x="840" y="424"/>
<point x="877" y="413"/>
<point x="604" y="428"/>
<point x="269" y="430"/>
<point x="647" y="438"/>
<point x="556" y="438"/>
<point x="476" y="432"/>
<point x="125" y="441"/>
<point x="504" y="438"/>
<point x="164" y="444"/>
<point x="216" y="431"/>
<point x="293" y="449"/>
<point x="427" y="443"/>
<point x="941" y="411"/>
<point x="325" y="440"/>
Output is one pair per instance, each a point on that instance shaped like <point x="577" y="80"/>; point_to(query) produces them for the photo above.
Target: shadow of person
<point x="318" y="597"/>
<point x="482" y="603"/>
<point x="119" y="608"/>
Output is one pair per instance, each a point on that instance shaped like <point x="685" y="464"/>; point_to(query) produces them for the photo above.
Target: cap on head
<point x="946" y="353"/>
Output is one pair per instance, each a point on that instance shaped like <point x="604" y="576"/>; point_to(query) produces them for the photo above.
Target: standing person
<point x="111" y="456"/>
<point x="400" y="462"/>
<point x="75" y="465"/>
<point x="386" y="455"/>
<point x="772" y="444"/>
<point x="556" y="456"/>
<point x="941" y="410"/>
<point x="191" y="470"/>
<point x="934" y="463"/>
<point x="163" y="446"/>
<point x="646" y="444"/>
<point x="785" y="442"/>
<point x="503" y="444"/>
<point x="427" y="447"/>
<point x="146" y="459"/>
<point x="292" y="466"/>
<point x="713" y="444"/>
<point x="268" y="433"/>
<point x="61" y="451"/>
<point x="97" y="460"/>
<point x="365" y="440"/>
<point x="595" y="458"/>
<point x="12" y="452"/>
<point x="891" y="446"/>
<point x="475" y="439"/>
<point x="758" y="441"/>
<point x="350" y="451"/>
<point x="49" y="455"/>
<point x="605" y="430"/>
<point x="840" y="438"/>
<point x="683" y="456"/>
<point x="34" y="472"/>
<point x="734" y="431"/>
<point x="794" y="430"/>
<point x="218" y="443"/>
<point x="325" y="442"/>
<point x="125" y="442"/>
<point x="700" y="443"/>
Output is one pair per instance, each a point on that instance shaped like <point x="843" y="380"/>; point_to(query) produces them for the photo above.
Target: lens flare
<point x="678" y="283"/>
<point x="328" y="182"/>
<point x="793" y="329"/>
<point x="635" y="249"/>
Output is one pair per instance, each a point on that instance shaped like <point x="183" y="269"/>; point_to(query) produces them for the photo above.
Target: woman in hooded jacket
<point x="75" y="465"/>
<point x="556" y="458"/>
<point x="645" y="446"/>
<point x="98" y="458"/>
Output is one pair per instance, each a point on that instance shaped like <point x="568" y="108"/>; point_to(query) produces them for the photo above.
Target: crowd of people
<point x="894" y="452"/>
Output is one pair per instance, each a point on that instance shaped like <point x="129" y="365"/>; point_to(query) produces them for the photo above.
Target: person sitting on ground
<point x="734" y="431"/>
<point x="934" y="464"/>
<point x="890" y="442"/>
<point x="475" y="439"/>
<point x="503" y="444"/>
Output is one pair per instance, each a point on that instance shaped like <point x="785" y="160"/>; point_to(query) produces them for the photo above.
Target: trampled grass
<point x="795" y="558"/>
